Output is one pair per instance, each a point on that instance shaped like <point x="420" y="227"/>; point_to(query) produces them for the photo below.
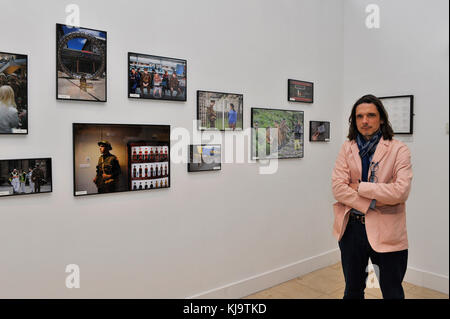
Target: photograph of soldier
<point x="108" y="169"/>
<point x="155" y="77"/>
<point x="37" y="177"/>
<point x="25" y="176"/>
<point x="211" y="114"/>
<point x="319" y="131"/>
<point x="281" y="130"/>
<point x="219" y="111"/>
<point x="13" y="94"/>
<point x="101" y="156"/>
<point x="204" y="158"/>
<point x="81" y="64"/>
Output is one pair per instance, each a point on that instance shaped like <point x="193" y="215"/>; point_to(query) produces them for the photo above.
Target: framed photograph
<point x="205" y="158"/>
<point x="25" y="176"/>
<point x="80" y="64"/>
<point x="300" y="91"/>
<point x="400" y="111"/>
<point x="217" y="111"/>
<point x="319" y="131"/>
<point x="112" y="158"/>
<point x="277" y="133"/>
<point x="13" y="93"/>
<point x="156" y="77"/>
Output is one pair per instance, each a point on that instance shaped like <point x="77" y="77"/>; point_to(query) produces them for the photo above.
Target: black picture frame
<point x="100" y="48"/>
<point x="400" y="109"/>
<point x="202" y="112"/>
<point x="4" y="175"/>
<point x="151" y="96"/>
<point x="126" y="144"/>
<point x="321" y="128"/>
<point x="299" y="114"/>
<point x="307" y="87"/>
<point x="195" y="166"/>
<point x="23" y="107"/>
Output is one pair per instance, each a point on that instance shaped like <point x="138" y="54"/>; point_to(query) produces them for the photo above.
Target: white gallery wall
<point x="233" y="232"/>
<point x="409" y="54"/>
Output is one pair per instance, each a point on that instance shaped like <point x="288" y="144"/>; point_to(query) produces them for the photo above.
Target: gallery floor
<point x="328" y="283"/>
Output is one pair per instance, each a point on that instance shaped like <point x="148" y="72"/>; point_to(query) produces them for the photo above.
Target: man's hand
<point x="315" y="137"/>
<point x="354" y="186"/>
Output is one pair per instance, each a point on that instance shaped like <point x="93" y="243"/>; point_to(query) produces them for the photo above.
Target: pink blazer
<point x="386" y="223"/>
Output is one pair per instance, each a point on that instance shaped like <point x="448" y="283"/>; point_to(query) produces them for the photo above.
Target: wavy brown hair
<point x="385" y="127"/>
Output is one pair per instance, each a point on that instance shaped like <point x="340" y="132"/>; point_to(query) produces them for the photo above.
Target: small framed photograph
<point x="319" y="131"/>
<point x="300" y="91"/>
<point x="218" y="111"/>
<point x="80" y="64"/>
<point x="205" y="158"/>
<point x="400" y="111"/>
<point x="13" y="93"/>
<point x="111" y="158"/>
<point x="25" y="176"/>
<point x="156" y="77"/>
<point x="277" y="133"/>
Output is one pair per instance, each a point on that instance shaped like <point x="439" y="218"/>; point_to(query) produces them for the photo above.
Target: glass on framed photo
<point x="400" y="112"/>
<point x="300" y="91"/>
<point x="13" y="93"/>
<point x="205" y="158"/>
<point x="156" y="77"/>
<point x="80" y="64"/>
<point x="277" y="133"/>
<point x="319" y="131"/>
<point x="217" y="111"/>
<point x="111" y="158"/>
<point x="25" y="176"/>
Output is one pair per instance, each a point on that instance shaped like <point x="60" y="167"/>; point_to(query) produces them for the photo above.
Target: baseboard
<point x="271" y="278"/>
<point x="427" y="279"/>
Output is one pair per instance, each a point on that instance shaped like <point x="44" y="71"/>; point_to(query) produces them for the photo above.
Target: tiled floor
<point x="328" y="283"/>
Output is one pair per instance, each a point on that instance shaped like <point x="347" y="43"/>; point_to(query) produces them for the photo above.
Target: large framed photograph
<point x="205" y="158"/>
<point x="156" y="77"/>
<point x="112" y="158"/>
<point x="300" y="91"/>
<point x="400" y="111"/>
<point x="218" y="111"/>
<point x="80" y="64"/>
<point x="277" y="133"/>
<point x="25" y="176"/>
<point x="13" y="93"/>
<point x="319" y="131"/>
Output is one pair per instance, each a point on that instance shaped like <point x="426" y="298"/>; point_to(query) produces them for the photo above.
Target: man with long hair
<point x="371" y="182"/>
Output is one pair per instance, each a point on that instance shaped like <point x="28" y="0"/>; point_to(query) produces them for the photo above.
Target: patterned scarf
<point x="366" y="151"/>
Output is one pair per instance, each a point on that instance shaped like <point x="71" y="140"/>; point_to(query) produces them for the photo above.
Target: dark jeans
<point x="355" y="254"/>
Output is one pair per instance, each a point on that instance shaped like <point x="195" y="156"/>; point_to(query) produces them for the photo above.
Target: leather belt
<point x="360" y="218"/>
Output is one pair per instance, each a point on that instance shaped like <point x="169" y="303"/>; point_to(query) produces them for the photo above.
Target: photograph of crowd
<point x="112" y="158"/>
<point x="300" y="91"/>
<point x="204" y="158"/>
<point x="319" y="131"/>
<point x="25" y="176"/>
<point x="155" y="77"/>
<point x="277" y="133"/>
<point x="80" y="64"/>
<point x="219" y="111"/>
<point x="13" y="93"/>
